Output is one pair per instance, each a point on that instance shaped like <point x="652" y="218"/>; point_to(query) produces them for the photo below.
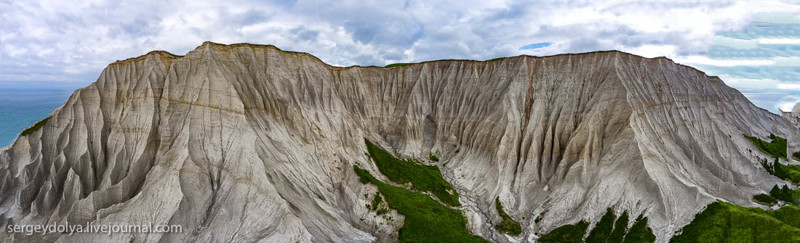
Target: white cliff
<point x="250" y="143"/>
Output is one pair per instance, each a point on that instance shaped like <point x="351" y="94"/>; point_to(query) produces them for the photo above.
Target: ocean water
<point x="22" y="107"/>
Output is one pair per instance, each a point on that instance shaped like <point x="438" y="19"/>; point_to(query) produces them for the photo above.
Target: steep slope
<point x="247" y="142"/>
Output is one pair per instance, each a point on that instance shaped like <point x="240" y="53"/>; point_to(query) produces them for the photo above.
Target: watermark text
<point x="92" y="228"/>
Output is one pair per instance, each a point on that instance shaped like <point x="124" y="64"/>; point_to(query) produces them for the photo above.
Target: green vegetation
<point x="433" y="157"/>
<point x="422" y="177"/>
<point x="566" y="233"/>
<point x="785" y="172"/>
<point x="602" y="230"/>
<point x="776" y="148"/>
<point x="620" y="228"/>
<point x="35" y="127"/>
<point x="376" y="205"/>
<point x="639" y="232"/>
<point x="606" y="230"/>
<point x="398" y="65"/>
<point x="426" y="220"/>
<point x="785" y="194"/>
<point x="508" y="226"/>
<point x="777" y="193"/>
<point x="717" y="77"/>
<point x="725" y="222"/>
<point x="765" y="199"/>
<point x="796" y="155"/>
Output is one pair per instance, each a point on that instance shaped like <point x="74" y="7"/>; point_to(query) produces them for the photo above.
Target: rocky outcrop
<point x="250" y="143"/>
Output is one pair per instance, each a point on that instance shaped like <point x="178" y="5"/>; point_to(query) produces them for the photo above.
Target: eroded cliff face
<point x="251" y="143"/>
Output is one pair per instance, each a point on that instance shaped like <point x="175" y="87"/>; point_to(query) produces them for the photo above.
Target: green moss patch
<point x="508" y="225"/>
<point x="35" y="127"/>
<point x="426" y="220"/>
<point x="776" y="148"/>
<point x="422" y="177"/>
<point x="725" y="222"/>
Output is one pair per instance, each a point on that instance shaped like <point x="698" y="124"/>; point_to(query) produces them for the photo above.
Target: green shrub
<point x="508" y="226"/>
<point x="776" y="148"/>
<point x="566" y="233"/>
<point x="784" y="172"/>
<point x="422" y="177"/>
<point x="602" y="230"/>
<point x="35" y="127"/>
<point x="620" y="228"/>
<point x="432" y="157"/>
<point x="782" y="193"/>
<point x="639" y="232"/>
<point x="796" y="155"/>
<point x="764" y="198"/>
<point x="375" y="206"/>
<point x="426" y="220"/>
<point x="606" y="230"/>
<point x="726" y="222"/>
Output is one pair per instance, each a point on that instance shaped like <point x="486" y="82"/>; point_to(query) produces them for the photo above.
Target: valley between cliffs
<point x="249" y="143"/>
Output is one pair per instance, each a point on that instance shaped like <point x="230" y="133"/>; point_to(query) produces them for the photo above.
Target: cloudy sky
<point x="752" y="45"/>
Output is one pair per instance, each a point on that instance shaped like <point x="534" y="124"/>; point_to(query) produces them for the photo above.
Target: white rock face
<point x="251" y="143"/>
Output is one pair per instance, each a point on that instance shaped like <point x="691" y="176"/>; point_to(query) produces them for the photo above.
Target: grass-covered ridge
<point x="508" y="225"/>
<point x="726" y="222"/>
<point x="422" y="177"/>
<point x="606" y="230"/>
<point x="776" y="148"/>
<point x="397" y="65"/>
<point x="35" y="127"/>
<point x="426" y="220"/>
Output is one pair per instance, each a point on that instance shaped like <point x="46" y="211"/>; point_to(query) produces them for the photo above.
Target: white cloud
<point x="778" y="41"/>
<point x="789" y="86"/>
<point x="58" y="40"/>
<point x="788" y="103"/>
<point x="704" y="60"/>
<point x="735" y="43"/>
<point x="751" y="84"/>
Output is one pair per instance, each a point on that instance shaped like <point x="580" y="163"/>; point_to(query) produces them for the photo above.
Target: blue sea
<point x="21" y="107"/>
